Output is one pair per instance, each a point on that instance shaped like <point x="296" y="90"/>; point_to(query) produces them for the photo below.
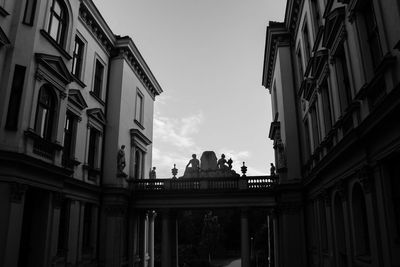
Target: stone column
<point x="275" y="238"/>
<point x="174" y="241"/>
<point x="166" y="240"/>
<point x="244" y="231"/>
<point x="152" y="216"/>
<point x="16" y="210"/>
<point x="143" y="245"/>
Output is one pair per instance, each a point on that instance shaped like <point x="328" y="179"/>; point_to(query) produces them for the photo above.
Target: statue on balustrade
<point x="221" y="164"/>
<point x="272" y="170"/>
<point x="194" y="168"/>
<point x="153" y="174"/>
<point x="209" y="166"/>
<point x="121" y="163"/>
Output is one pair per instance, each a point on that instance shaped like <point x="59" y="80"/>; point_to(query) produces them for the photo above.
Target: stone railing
<point x="205" y="184"/>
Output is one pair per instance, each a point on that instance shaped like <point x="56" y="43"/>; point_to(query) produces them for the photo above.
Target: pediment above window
<point x="308" y="87"/>
<point x="3" y="38"/>
<point x="75" y="97"/>
<point x="319" y="59"/>
<point x="333" y="26"/>
<point x="53" y="69"/>
<point x="139" y="140"/>
<point x="97" y="115"/>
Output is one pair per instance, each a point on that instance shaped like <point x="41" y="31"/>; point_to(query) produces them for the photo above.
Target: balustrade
<point x="210" y="184"/>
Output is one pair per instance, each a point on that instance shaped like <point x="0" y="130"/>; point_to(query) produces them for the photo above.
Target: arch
<point x="46" y="112"/>
<point x="59" y="19"/>
<point x="360" y="222"/>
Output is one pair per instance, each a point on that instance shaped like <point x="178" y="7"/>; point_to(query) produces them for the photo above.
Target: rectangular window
<point x="139" y="108"/>
<point x="314" y="126"/>
<point x="15" y="97"/>
<point x="326" y="105"/>
<point x="29" y="14"/>
<point x="372" y="33"/>
<point x="93" y="148"/>
<point x="69" y="139"/>
<point x="98" y="78"/>
<point x="77" y="57"/>
<point x="343" y="80"/>
<point x="87" y="226"/>
<point x="307" y="44"/>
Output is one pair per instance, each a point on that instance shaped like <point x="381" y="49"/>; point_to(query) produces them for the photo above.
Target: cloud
<point x="174" y="142"/>
<point x="177" y="132"/>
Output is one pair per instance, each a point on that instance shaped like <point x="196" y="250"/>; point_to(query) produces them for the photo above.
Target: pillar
<point x="244" y="233"/>
<point x="166" y="240"/>
<point x="143" y="245"/>
<point x="174" y="240"/>
<point x="152" y="216"/>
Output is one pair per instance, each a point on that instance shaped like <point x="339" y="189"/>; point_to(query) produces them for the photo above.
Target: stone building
<point x="332" y="69"/>
<point x="71" y="94"/>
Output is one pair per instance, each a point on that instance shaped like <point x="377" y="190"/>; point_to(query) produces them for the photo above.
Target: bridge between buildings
<point x="166" y="196"/>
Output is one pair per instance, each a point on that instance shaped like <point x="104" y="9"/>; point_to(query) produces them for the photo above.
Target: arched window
<point x="58" y="21"/>
<point x="45" y="113"/>
<point x="360" y="222"/>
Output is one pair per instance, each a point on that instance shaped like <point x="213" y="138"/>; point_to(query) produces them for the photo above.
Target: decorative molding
<point x="56" y="45"/>
<point x="138" y="138"/>
<point x="95" y="28"/>
<point x="3" y="12"/>
<point x="126" y="53"/>
<point x="75" y="97"/>
<point x="3" y="38"/>
<point x="97" y="115"/>
<point x="277" y="35"/>
<point x="53" y="70"/>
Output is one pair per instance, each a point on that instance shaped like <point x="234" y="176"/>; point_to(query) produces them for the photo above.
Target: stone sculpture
<point x="121" y="163"/>
<point x="194" y="168"/>
<point x="153" y="174"/>
<point x="272" y="170"/>
<point x="221" y="164"/>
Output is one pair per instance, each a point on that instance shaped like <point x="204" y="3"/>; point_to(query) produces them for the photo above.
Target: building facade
<point x="76" y="125"/>
<point x="332" y="69"/>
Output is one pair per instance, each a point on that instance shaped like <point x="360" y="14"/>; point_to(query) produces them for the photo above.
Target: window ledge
<point x="56" y="45"/>
<point x="138" y="124"/>
<point x="3" y="12"/>
<point x="93" y="173"/>
<point x="43" y="147"/>
<point x="71" y="163"/>
<point x="78" y="81"/>
<point x="97" y="98"/>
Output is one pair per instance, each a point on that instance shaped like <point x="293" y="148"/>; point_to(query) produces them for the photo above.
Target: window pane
<point x="53" y="30"/>
<point x="15" y="97"/>
<point x="30" y="9"/>
<point x="98" y="78"/>
<point x="57" y="8"/>
<point x="139" y="104"/>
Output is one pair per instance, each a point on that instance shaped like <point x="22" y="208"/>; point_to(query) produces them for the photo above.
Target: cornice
<point x="276" y="36"/>
<point x="96" y="25"/>
<point x="292" y="15"/>
<point x="125" y="48"/>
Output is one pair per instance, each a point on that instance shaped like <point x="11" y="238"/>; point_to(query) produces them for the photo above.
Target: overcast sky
<point x="207" y="56"/>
